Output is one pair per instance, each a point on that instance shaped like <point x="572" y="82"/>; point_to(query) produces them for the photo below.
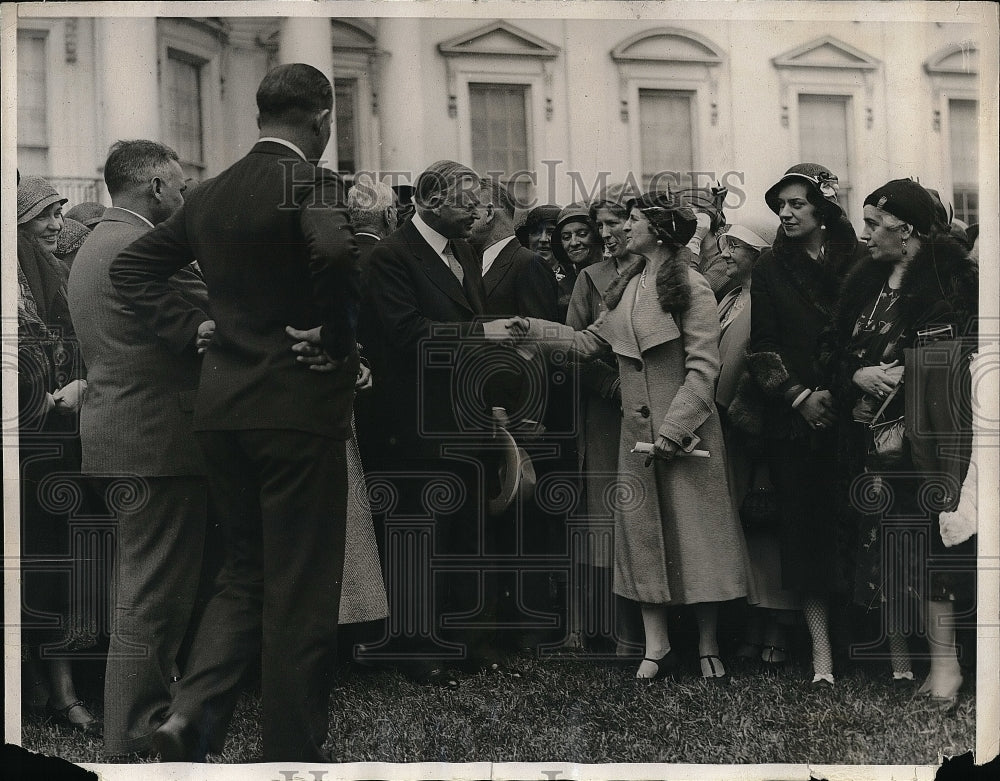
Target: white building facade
<point x="557" y="105"/>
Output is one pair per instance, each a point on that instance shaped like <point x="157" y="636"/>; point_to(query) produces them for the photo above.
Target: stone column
<point x="128" y="87"/>
<point x="310" y="40"/>
<point x="403" y="84"/>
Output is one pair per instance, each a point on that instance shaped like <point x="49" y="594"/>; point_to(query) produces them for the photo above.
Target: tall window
<point x="498" y="114"/>
<point x="824" y="138"/>
<point x="32" y="118"/>
<point x="963" y="123"/>
<point x="346" y="97"/>
<point x="666" y="137"/>
<point x="182" y="107"/>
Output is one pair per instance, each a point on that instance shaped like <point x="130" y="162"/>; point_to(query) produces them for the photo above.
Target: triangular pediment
<point x="499" y="38"/>
<point x="668" y="44"/>
<point x="962" y="59"/>
<point x="826" y="52"/>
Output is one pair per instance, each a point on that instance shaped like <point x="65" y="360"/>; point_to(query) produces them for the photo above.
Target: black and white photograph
<point x="501" y="390"/>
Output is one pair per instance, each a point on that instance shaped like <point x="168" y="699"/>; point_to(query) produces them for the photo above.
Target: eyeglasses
<point x="729" y="245"/>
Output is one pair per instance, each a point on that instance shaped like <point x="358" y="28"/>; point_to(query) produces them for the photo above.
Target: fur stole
<point x="673" y="290"/>
<point x="941" y="285"/>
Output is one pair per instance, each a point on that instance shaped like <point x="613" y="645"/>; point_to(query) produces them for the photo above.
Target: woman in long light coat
<point x="677" y="537"/>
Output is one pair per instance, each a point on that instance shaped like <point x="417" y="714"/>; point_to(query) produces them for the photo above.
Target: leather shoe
<point x="175" y="741"/>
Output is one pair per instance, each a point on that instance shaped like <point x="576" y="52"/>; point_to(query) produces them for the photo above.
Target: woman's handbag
<point x="887" y="445"/>
<point x="759" y="509"/>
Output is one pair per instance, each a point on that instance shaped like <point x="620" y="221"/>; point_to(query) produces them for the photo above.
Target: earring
<point x="904" y="246"/>
<point x="659" y="241"/>
<point x="822" y="226"/>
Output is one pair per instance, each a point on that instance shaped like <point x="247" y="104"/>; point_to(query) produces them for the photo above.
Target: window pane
<point x="182" y="107"/>
<point x="964" y="126"/>
<point x="346" y="95"/>
<point x="823" y="137"/>
<point x="499" y="126"/>
<point x="665" y="138"/>
<point x="32" y="120"/>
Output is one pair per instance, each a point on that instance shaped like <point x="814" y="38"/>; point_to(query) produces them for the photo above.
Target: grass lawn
<point x="572" y="710"/>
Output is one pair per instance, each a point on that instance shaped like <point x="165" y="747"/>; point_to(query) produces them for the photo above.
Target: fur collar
<point x="673" y="290"/>
<point x="940" y="285"/>
<point x="818" y="280"/>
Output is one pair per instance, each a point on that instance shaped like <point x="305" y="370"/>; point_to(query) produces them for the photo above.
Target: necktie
<point x="453" y="264"/>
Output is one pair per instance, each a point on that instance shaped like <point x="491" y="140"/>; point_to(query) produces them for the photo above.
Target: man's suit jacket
<point x="276" y="249"/>
<point x="518" y="283"/>
<point x="428" y="325"/>
<point x="141" y="384"/>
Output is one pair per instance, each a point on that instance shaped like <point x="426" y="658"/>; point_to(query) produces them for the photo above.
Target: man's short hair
<point x="500" y="196"/>
<point x="292" y="92"/>
<point x="440" y="181"/>
<point x="368" y="199"/>
<point x="134" y="163"/>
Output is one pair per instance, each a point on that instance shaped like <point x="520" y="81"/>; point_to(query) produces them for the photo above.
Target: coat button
<point x="686" y="441"/>
<point x="644" y="411"/>
<point x="638" y="366"/>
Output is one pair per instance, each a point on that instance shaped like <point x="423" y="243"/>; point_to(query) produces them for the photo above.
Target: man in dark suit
<point x="516" y="281"/>
<point x="137" y="422"/>
<point x="277" y="251"/>
<point x="428" y="293"/>
<point x="373" y="209"/>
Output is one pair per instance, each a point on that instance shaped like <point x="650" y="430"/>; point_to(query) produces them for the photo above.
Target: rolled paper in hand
<point x="646" y="448"/>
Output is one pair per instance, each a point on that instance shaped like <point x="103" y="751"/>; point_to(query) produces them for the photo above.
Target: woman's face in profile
<point x="639" y="231"/>
<point x="46" y="226"/>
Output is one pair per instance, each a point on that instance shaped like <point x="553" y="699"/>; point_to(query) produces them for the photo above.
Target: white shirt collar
<point x="431" y="236"/>
<point x="283" y="142"/>
<point x="136" y="214"/>
<point x="492" y="252"/>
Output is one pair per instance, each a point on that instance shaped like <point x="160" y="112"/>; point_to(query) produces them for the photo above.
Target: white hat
<point x="516" y="475"/>
<point x="747" y="236"/>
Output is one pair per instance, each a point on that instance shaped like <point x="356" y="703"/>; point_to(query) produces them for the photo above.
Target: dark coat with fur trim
<point x="793" y="298"/>
<point x="940" y="287"/>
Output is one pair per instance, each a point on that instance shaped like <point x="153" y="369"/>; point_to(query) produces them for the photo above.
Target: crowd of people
<point x="303" y="407"/>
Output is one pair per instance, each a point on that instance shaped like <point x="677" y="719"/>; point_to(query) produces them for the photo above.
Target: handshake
<point x="510" y="331"/>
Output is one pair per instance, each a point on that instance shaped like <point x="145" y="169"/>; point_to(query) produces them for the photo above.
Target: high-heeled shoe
<point x="81" y="720"/>
<point x="946" y="696"/>
<point x="773" y="657"/>
<point x="826" y="678"/>
<point x="712" y="671"/>
<point x="666" y="667"/>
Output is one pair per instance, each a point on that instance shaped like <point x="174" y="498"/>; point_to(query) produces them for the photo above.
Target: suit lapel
<point x="501" y="266"/>
<point x="436" y="270"/>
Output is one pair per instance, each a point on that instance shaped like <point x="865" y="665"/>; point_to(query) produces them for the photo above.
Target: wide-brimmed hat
<point x="515" y="474"/>
<point x="71" y="237"/>
<point x="88" y="213"/>
<point x="35" y="195"/>
<point x="820" y="179"/>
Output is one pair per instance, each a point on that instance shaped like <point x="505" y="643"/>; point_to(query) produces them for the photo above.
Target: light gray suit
<point x="136" y="429"/>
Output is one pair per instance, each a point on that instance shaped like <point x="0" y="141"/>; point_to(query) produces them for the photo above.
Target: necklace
<point x="888" y="294"/>
<point x="642" y="279"/>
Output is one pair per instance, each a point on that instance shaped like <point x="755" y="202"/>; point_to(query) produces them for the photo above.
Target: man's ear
<point x="156" y="188"/>
<point x="319" y="120"/>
